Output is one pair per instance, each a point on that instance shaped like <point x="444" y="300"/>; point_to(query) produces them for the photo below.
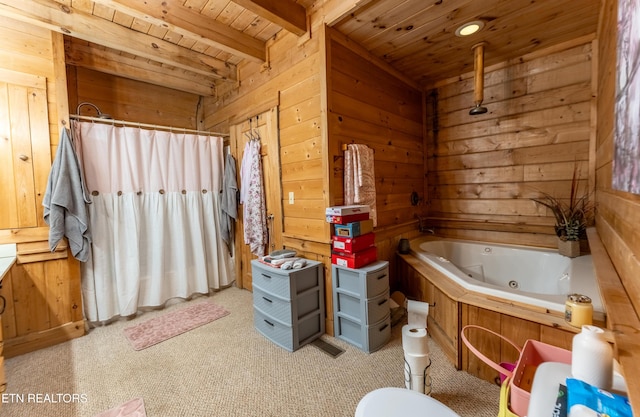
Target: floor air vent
<point x="328" y="348"/>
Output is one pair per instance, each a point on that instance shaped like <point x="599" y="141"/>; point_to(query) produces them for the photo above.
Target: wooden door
<point x="25" y="155"/>
<point x="266" y="124"/>
<point x="42" y="291"/>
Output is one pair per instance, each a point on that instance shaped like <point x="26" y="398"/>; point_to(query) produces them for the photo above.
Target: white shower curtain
<point x="154" y="217"/>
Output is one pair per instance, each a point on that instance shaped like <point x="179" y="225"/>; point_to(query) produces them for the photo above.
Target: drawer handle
<point x="266" y="276"/>
<point x="383" y="327"/>
<point x="266" y="299"/>
<point x="268" y="322"/>
<point x="383" y="301"/>
<point x="382" y="276"/>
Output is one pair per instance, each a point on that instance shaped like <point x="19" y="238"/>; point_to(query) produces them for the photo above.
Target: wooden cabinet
<point x="7" y="260"/>
<point x="3" y="379"/>
<point x="361" y="305"/>
<point x="288" y="305"/>
<point x="443" y="322"/>
<point x="43" y="295"/>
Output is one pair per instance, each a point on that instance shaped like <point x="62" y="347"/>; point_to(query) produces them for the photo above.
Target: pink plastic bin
<point x="533" y="354"/>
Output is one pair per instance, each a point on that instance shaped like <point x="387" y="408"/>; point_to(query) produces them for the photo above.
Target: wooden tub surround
<point x="454" y="307"/>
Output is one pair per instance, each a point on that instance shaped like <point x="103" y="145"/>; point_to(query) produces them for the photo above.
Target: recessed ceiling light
<point x="470" y="28"/>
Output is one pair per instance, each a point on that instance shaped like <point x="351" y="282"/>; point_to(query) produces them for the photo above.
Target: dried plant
<point x="572" y="217"/>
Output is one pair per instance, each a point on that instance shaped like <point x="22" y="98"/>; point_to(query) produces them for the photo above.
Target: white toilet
<point x="401" y="402"/>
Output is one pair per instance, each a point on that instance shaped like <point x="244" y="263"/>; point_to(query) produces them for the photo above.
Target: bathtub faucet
<point x="423" y="227"/>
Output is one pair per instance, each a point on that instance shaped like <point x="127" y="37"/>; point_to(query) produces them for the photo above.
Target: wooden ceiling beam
<point x="335" y="11"/>
<point x="109" y="61"/>
<point x="69" y="21"/>
<point x="172" y="15"/>
<point x="286" y="13"/>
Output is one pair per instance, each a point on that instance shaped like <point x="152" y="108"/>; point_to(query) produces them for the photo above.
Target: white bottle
<point x="592" y="358"/>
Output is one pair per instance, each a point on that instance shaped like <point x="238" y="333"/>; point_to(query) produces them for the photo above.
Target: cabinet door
<point x="25" y="154"/>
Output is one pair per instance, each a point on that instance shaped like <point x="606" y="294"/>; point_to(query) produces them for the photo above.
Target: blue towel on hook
<point x="64" y="201"/>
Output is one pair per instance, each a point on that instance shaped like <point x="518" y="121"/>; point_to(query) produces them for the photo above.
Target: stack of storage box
<point x="353" y="240"/>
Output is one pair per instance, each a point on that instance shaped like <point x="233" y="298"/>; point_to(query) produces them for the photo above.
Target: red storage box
<point x="349" y="218"/>
<point x="353" y="244"/>
<point x="355" y="260"/>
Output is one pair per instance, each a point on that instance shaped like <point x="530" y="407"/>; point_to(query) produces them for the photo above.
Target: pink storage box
<point x="533" y="354"/>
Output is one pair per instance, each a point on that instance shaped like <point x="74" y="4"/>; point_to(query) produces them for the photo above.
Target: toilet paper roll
<point x="417" y="312"/>
<point x="414" y="383"/>
<point x="415" y="340"/>
<point x="419" y="384"/>
<point x="416" y="364"/>
<point x="417" y="375"/>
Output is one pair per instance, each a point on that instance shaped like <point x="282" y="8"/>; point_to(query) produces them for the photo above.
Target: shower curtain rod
<point x="136" y="124"/>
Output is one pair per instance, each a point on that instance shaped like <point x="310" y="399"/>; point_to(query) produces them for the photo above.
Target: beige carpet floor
<point x="224" y="368"/>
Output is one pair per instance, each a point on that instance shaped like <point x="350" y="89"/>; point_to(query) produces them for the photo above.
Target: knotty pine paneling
<point x="43" y="289"/>
<point x="131" y="100"/>
<point x="367" y="105"/>
<point x="292" y="82"/>
<point x="618" y="216"/>
<point x="29" y="49"/>
<point x="619" y="211"/>
<point x="485" y="169"/>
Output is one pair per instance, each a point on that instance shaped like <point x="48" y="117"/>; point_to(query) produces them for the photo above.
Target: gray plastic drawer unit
<point x="366" y="338"/>
<point x="366" y="282"/>
<point x="285" y="283"/>
<point x="361" y="309"/>
<point x="283" y="310"/>
<point x="371" y="310"/>
<point x="291" y="338"/>
<point x="288" y="305"/>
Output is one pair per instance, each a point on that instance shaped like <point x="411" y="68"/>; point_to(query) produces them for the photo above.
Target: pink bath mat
<point x="159" y="329"/>
<point x="132" y="408"/>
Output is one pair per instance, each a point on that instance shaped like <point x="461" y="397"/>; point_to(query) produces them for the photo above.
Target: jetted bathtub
<point x="529" y="275"/>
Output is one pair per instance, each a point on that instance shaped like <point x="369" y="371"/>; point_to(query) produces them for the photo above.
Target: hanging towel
<point x="64" y="201"/>
<point x="252" y="198"/>
<point x="229" y="200"/>
<point x="359" y="178"/>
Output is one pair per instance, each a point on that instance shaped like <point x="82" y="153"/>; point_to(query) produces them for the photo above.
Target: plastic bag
<point x="580" y="393"/>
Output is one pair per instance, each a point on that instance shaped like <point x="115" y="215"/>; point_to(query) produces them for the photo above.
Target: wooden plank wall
<point x="618" y="212"/>
<point x="483" y="169"/>
<point x="30" y="50"/>
<point x="135" y="101"/>
<point x="618" y="216"/>
<point x="290" y="80"/>
<point x="297" y="79"/>
<point x="43" y="289"/>
<point x="368" y="103"/>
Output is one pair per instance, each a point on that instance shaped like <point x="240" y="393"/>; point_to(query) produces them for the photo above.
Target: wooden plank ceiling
<point x="197" y="45"/>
